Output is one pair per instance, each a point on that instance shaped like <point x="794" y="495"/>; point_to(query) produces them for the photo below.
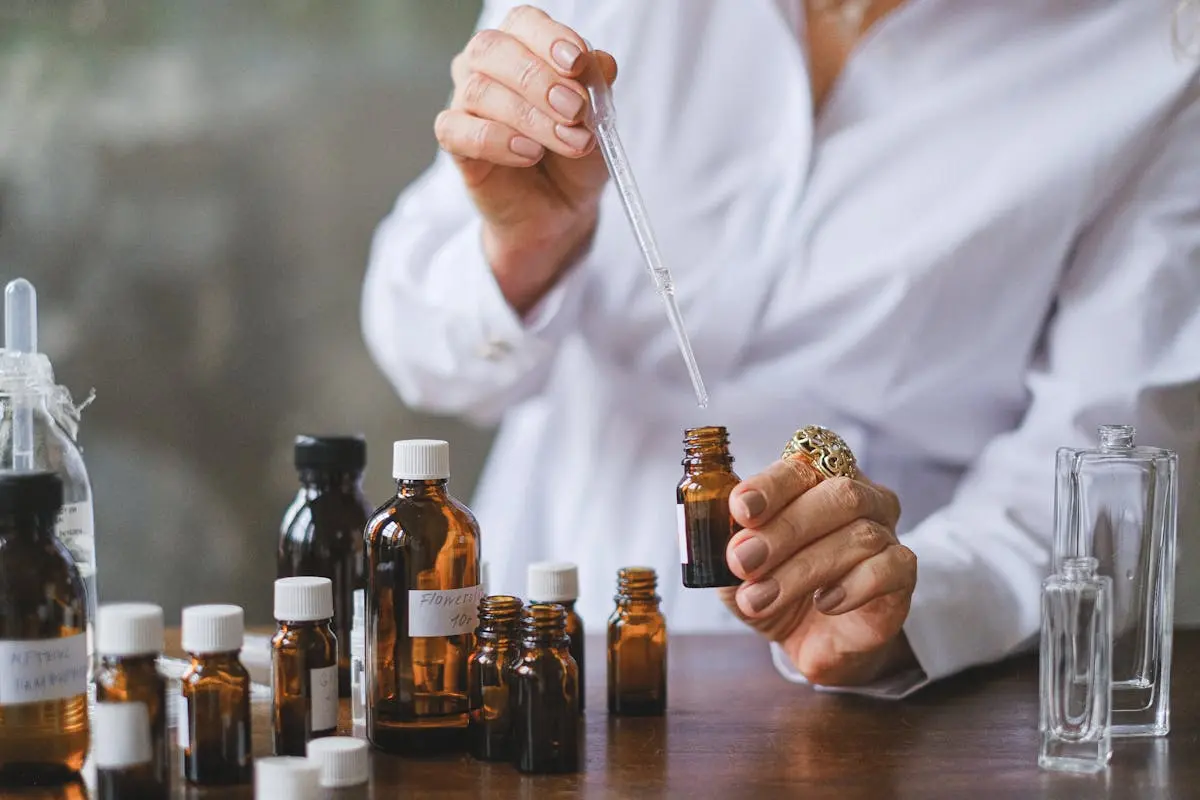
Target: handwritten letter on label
<point x="40" y="670"/>
<point x="443" y="612"/>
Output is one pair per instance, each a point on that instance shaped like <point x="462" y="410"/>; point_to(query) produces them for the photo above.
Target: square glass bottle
<point x="1075" y="708"/>
<point x="1117" y="503"/>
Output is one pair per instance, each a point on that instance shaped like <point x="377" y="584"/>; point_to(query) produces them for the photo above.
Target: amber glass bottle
<point x="637" y="647"/>
<point x="550" y="582"/>
<point x="303" y="664"/>
<point x="422" y="607"/>
<point x="322" y="531"/>
<point x="132" y="753"/>
<point x="546" y="729"/>
<point x="702" y="507"/>
<point x="487" y="680"/>
<point x="43" y="647"/>
<point x="214" y="722"/>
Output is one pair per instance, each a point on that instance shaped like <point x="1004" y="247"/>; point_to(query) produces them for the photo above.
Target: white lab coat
<point x="986" y="245"/>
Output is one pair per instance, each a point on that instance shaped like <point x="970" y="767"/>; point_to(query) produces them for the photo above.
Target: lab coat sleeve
<point x="434" y="318"/>
<point x="1123" y="346"/>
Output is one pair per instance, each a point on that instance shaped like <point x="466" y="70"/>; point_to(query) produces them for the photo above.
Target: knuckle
<point x="869" y="536"/>
<point x="475" y="90"/>
<point x="442" y="125"/>
<point x="846" y="494"/>
<point x="528" y="77"/>
<point x="907" y="560"/>
<point x="528" y="117"/>
<point x="477" y="142"/>
<point x="482" y="44"/>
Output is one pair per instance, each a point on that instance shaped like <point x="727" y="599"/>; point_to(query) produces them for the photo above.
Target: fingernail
<point x="753" y="504"/>
<point x="565" y="54"/>
<point x="751" y="554"/>
<point x="577" y="138"/>
<point x="827" y="599"/>
<point x="761" y="595"/>
<point x="525" y="148"/>
<point x="565" y="101"/>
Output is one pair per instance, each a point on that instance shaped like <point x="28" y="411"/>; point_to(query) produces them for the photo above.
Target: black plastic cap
<point x="30" y="493"/>
<point x="337" y="453"/>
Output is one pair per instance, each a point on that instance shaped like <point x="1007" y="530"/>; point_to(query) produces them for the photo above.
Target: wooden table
<point x="735" y="729"/>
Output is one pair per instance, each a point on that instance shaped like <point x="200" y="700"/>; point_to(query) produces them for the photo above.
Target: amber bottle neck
<point x="499" y="618"/>
<point x="217" y="660"/>
<point x="130" y="663"/>
<point x="423" y="489"/>
<point x="544" y="625"/>
<point x="706" y="449"/>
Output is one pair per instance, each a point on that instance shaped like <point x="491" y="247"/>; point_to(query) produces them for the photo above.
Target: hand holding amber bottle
<point x="825" y="575"/>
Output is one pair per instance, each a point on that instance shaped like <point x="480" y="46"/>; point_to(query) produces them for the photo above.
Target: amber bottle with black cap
<point x="322" y="530"/>
<point x="702" y="508"/>
<point x="43" y="649"/>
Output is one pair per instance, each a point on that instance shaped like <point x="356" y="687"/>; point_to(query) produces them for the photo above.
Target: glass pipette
<point x="604" y="125"/>
<point x="20" y="336"/>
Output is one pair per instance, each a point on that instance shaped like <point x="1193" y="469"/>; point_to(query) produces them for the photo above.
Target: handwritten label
<point x="40" y="670"/>
<point x="121" y="735"/>
<point x="323" y="688"/>
<point x="681" y="528"/>
<point x="76" y="529"/>
<point x="443" y="612"/>
<point x="183" y="727"/>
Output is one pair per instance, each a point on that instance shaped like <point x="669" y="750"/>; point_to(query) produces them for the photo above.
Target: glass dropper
<point x="603" y="120"/>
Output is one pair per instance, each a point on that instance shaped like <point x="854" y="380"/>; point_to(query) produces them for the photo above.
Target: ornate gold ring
<point x="825" y="450"/>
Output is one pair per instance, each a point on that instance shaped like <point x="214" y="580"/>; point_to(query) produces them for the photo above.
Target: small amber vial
<point x="214" y="720"/>
<point x="132" y="751"/>
<point x="637" y="647"/>
<point x="702" y="508"/>
<point x="422" y="607"/>
<point x="43" y="647"/>
<point x="496" y="647"/>
<point x="322" y="530"/>
<point x="304" y="664"/>
<point x="550" y="582"/>
<point x="547" y="722"/>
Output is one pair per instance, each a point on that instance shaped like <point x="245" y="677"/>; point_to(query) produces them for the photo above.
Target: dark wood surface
<point x="735" y="729"/>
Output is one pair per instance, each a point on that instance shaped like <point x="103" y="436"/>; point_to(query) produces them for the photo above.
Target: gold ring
<point x="825" y="450"/>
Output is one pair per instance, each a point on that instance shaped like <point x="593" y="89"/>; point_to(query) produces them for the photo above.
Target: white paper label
<point x="76" y="529"/>
<point x="183" y="729"/>
<point x="39" y="670"/>
<point x="443" y="612"/>
<point x="323" y="688"/>
<point x="681" y="528"/>
<point x="121" y="735"/>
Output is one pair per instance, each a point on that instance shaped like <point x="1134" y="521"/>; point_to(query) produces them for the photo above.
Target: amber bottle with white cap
<point x="422" y="607"/>
<point x="345" y="767"/>
<point x="304" y="664"/>
<point x="131" y="750"/>
<point x="551" y="582"/>
<point x="286" y="778"/>
<point x="214" y="722"/>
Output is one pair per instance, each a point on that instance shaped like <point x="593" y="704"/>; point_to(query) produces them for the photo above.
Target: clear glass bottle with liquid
<point x="1117" y="503"/>
<point x="1075" y="711"/>
<point x="44" y="731"/>
<point x="637" y="647"/>
<point x="422" y="607"/>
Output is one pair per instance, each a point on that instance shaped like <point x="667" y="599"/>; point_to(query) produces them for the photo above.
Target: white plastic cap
<point x="421" y="460"/>
<point x="286" y="778"/>
<point x="343" y="760"/>
<point x="551" y="582"/>
<point x="213" y="629"/>
<point x="303" y="599"/>
<point x="121" y="735"/>
<point x="129" y="629"/>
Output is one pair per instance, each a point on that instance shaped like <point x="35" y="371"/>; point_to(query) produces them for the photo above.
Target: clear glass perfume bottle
<point x="1117" y="503"/>
<point x="1075" y="718"/>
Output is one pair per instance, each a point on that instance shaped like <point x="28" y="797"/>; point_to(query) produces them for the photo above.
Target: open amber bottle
<point x="637" y="647"/>
<point x="496" y="647"/>
<point x="702" y="506"/>
<point x="422" y="607"/>
<point x="546" y="735"/>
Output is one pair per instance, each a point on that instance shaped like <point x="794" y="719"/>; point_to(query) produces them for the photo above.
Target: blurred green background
<point x="192" y="187"/>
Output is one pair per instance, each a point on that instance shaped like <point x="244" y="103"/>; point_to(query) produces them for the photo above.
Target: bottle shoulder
<point x="406" y="516"/>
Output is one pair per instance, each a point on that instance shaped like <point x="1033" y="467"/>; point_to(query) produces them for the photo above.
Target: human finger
<point x="761" y="497"/>
<point x="468" y="137"/>
<point x="488" y="99"/>
<point x="505" y="59"/>
<point x="891" y="571"/>
<point x="557" y="44"/>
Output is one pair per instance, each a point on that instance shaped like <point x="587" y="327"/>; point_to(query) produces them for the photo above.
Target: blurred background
<point x="192" y="188"/>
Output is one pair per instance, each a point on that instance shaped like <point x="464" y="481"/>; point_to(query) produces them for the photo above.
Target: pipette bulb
<point x="20" y="316"/>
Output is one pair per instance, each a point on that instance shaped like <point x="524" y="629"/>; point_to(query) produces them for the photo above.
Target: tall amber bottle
<point x="546" y="730"/>
<point x="304" y="665"/>
<point x="637" y="647"/>
<point x="496" y="647"/>
<point x="322" y="531"/>
<point x="422" y="607"/>
<point x="702" y="507"/>
<point x="43" y="647"/>
<point x="214" y="721"/>
<point x="132" y="754"/>
<point x="550" y="582"/>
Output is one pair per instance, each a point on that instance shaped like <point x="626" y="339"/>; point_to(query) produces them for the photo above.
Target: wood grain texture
<point x="734" y="728"/>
